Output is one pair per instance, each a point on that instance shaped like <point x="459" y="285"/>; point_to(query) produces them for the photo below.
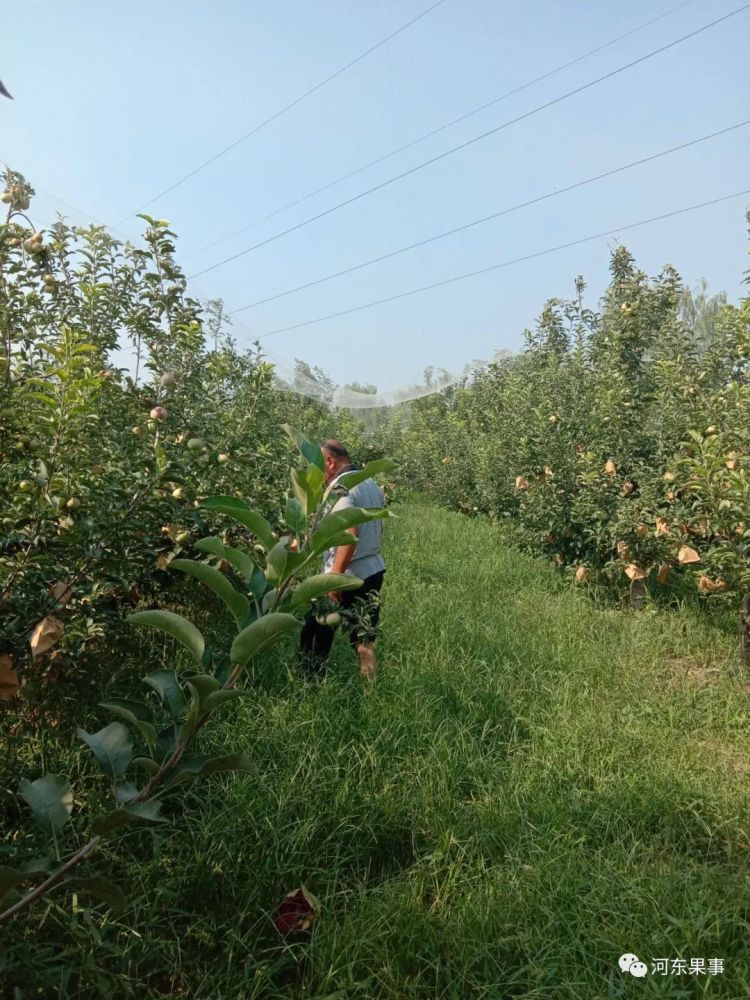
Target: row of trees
<point x="102" y="469"/>
<point x="617" y="443"/>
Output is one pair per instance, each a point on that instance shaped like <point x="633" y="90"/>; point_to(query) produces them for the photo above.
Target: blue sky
<point x="114" y="102"/>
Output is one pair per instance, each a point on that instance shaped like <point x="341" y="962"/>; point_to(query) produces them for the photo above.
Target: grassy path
<point x="534" y="787"/>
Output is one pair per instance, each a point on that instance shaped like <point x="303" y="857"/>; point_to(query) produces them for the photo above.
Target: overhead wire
<point x="502" y="264"/>
<point x="489" y="218"/>
<point x="282" y="111"/>
<point x="442" y="128"/>
<point x="470" y="142"/>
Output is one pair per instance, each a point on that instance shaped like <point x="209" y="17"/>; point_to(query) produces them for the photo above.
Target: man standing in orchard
<point x="363" y="559"/>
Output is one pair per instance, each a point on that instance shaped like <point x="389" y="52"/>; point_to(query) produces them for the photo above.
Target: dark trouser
<point x="316" y="639"/>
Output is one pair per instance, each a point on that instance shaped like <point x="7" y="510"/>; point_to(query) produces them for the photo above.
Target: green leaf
<point x="314" y="586"/>
<point x="166" y="743"/>
<point x="261" y="635"/>
<point x="307" y="448"/>
<point x="112" y="747"/>
<point x="133" y="812"/>
<point x="147" y="764"/>
<point x="9" y="879"/>
<point x="125" y="791"/>
<point x="302" y="490"/>
<point x="258" y="583"/>
<point x="372" y="469"/>
<point x="220" y="697"/>
<point x="268" y="599"/>
<point x="176" y="626"/>
<point x="214" y="502"/>
<point x="240" y="511"/>
<point x="166" y="685"/>
<point x="277" y="561"/>
<point x="235" y="557"/>
<point x="199" y="767"/>
<point x="315" y="478"/>
<point x="342" y="538"/>
<point x="186" y="769"/>
<point x="148" y="812"/>
<point x="307" y="485"/>
<point x="333" y="524"/>
<point x="101" y="888"/>
<point x="238" y="605"/>
<point x="135" y="709"/>
<point x="51" y="800"/>
<point x="294" y="515"/>
<point x="134" y="712"/>
<point x="223" y="669"/>
<point x="201" y="686"/>
<point x="42" y="397"/>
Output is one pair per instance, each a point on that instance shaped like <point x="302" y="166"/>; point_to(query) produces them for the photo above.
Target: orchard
<point x="570" y="520"/>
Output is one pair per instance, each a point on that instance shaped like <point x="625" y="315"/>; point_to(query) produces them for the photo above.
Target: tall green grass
<point x="534" y="787"/>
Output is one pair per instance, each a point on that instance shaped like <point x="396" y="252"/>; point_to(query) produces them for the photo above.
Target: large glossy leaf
<point x="112" y="747"/>
<point x="135" y="709"/>
<point x="147" y="764"/>
<point x="166" y="743"/>
<point x="294" y="515"/>
<point x="307" y="448"/>
<point x="277" y="561"/>
<point x="333" y="524"/>
<point x="268" y="600"/>
<point x="372" y="469"/>
<point x="258" y="583"/>
<point x="302" y="490"/>
<point x="125" y="791"/>
<point x="127" y="815"/>
<point x="240" y="511"/>
<point x="315" y="478"/>
<point x="166" y="685"/>
<point x="238" y="604"/>
<point x="235" y="557"/>
<point x="281" y="563"/>
<point x="261" y="635"/>
<point x="176" y="626"/>
<point x="202" y="685"/>
<point x="307" y="485"/>
<point x="207" y="695"/>
<point x="51" y="800"/>
<point x="342" y="538"/>
<point x="134" y="712"/>
<point x="322" y="583"/>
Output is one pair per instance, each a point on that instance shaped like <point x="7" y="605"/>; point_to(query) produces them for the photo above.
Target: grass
<point x="534" y="787"/>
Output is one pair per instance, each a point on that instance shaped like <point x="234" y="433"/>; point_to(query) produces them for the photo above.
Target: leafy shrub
<point x="617" y="442"/>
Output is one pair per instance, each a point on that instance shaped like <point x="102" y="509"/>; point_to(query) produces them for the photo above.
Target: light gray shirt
<point x="367" y="559"/>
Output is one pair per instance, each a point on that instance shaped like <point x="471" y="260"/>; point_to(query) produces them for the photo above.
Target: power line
<point x="441" y="128"/>
<point x="470" y="142"/>
<point x="488" y="218"/>
<point x="287" y="107"/>
<point x="505" y="263"/>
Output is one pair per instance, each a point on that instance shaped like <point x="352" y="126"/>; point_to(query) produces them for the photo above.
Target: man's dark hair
<point x="335" y="448"/>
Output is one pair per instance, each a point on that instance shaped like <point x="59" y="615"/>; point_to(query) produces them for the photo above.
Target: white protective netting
<point x="296" y="376"/>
